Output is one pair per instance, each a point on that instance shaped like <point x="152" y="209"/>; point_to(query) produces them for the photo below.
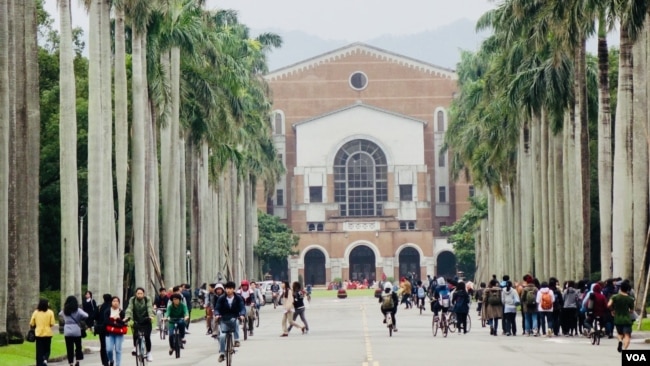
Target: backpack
<point x="387" y="302"/>
<point x="494" y="298"/>
<point x="547" y="301"/>
<point x="590" y="302"/>
<point x="531" y="298"/>
<point x="421" y="292"/>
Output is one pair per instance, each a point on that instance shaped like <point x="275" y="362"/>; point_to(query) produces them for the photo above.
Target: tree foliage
<point x="462" y="233"/>
<point x="276" y="240"/>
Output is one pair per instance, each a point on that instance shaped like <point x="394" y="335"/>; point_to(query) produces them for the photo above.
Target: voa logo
<point x="635" y="357"/>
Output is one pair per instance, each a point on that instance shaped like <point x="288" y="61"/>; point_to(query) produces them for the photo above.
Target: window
<point x="441" y="121"/>
<point x="278" y="122"/>
<point x="315" y="226"/>
<point x="471" y="191"/>
<point x="442" y="194"/>
<point x="358" y="80"/>
<point x="279" y="197"/>
<point x="315" y="194"/>
<point x="407" y="225"/>
<point x="360" y="179"/>
<point x="406" y="192"/>
<point x="441" y="160"/>
<point x="443" y="224"/>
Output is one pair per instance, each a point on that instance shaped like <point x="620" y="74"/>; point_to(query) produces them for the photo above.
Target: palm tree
<point x="71" y="263"/>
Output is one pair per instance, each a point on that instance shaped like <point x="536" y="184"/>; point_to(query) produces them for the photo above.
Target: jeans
<point x="73" y="348"/>
<point x="227" y="325"/>
<point x="546" y="318"/>
<point x="287" y="320"/>
<point x="114" y="344"/>
<point x="300" y="312"/>
<point x="181" y="330"/>
<point x="531" y="322"/>
<point x="43" y="346"/>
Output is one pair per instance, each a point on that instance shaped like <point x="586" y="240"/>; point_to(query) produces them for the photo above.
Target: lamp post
<point x="188" y="268"/>
<point x="82" y="214"/>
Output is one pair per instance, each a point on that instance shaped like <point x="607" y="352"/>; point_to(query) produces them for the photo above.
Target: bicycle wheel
<point x="421" y="307"/>
<point x="452" y="322"/>
<point x="177" y="342"/>
<point x="434" y="326"/>
<point x="257" y="318"/>
<point x="445" y="328"/>
<point x="140" y="352"/>
<point x="468" y="324"/>
<point x="245" y="328"/>
<point x="593" y="337"/>
<point x="229" y="349"/>
<point x="161" y="332"/>
<point x="389" y="324"/>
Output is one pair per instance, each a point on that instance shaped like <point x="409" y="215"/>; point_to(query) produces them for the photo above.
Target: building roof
<point x="361" y="48"/>
<point x="358" y="104"/>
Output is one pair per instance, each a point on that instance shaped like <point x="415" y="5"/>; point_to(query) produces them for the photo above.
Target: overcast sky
<point x="349" y="20"/>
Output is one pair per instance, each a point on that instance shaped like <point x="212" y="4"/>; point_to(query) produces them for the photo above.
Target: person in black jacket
<point x="230" y="307"/>
<point x="90" y="307"/>
<point x="102" y="314"/>
<point x="187" y="294"/>
<point x="386" y="303"/>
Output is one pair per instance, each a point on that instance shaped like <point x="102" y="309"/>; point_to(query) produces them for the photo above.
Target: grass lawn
<point x="25" y="354"/>
<point x="324" y="294"/>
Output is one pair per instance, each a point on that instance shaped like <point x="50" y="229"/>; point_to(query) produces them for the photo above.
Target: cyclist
<point x="177" y="314"/>
<point x="257" y="294"/>
<point x="441" y="297"/>
<point x="140" y="310"/>
<point x="275" y="291"/>
<point x="229" y="309"/>
<point x="421" y="293"/>
<point x="308" y="289"/>
<point x="218" y="291"/>
<point x="389" y="302"/>
<point x="160" y="304"/>
<point x="248" y="295"/>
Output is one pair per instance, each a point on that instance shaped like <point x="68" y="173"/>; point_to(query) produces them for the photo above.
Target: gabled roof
<point x="359" y="104"/>
<point x="361" y="48"/>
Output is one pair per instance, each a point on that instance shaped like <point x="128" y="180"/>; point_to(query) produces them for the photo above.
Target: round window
<point x="358" y="80"/>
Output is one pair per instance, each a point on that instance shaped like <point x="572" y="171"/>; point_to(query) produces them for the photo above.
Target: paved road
<point x="350" y="332"/>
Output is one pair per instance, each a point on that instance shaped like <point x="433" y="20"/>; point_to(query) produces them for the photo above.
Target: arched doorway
<point x="362" y="264"/>
<point x="315" y="267"/>
<point x="446" y="264"/>
<point x="409" y="263"/>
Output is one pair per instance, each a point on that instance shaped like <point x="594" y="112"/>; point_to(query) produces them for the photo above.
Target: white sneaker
<point x="149" y="357"/>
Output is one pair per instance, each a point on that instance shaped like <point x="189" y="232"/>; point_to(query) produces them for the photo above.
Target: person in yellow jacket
<point x="43" y="321"/>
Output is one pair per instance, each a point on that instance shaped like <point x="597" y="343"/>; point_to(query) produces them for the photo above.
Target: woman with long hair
<point x="287" y="304"/>
<point x="42" y="321"/>
<point x="115" y="323"/>
<point x="90" y="307"/>
<point x="299" y="305"/>
<point x="72" y="317"/>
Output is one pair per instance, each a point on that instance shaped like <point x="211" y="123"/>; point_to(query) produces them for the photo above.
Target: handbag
<point x="31" y="335"/>
<point x="116" y="330"/>
<point x="83" y="326"/>
<point x="633" y="315"/>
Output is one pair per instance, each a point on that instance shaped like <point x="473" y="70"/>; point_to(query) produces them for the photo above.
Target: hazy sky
<point x="350" y="20"/>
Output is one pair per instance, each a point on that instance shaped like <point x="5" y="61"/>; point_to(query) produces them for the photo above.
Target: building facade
<point x="359" y="130"/>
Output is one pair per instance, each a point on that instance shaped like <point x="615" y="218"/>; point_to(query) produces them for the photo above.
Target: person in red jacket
<point x="599" y="306"/>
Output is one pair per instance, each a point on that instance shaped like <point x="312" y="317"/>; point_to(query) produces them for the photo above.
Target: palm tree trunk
<point x="537" y="197"/>
<point x="545" y="197"/>
<point x="550" y="217"/>
<point x="583" y="213"/>
<point x="558" y="213"/>
<point x="4" y="165"/>
<point x="109" y="249"/>
<point x="168" y="198"/>
<point x="622" y="206"/>
<point x="121" y="141"/>
<point x="95" y="181"/>
<point x="605" y="164"/>
<point x="526" y="198"/>
<point x="70" y="241"/>
<point x="640" y="155"/>
<point x="138" y="141"/>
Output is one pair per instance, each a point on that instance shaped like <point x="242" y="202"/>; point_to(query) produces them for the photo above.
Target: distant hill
<point x="440" y="47"/>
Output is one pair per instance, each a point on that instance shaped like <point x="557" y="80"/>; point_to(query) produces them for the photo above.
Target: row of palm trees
<point x="519" y="129"/>
<point x="187" y="124"/>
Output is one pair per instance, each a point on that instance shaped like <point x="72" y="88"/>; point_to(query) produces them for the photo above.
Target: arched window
<point x="360" y="179"/>
<point x="278" y="121"/>
<point x="441" y="121"/>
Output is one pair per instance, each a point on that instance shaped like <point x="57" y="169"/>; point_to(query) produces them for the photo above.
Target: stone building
<point x="359" y="130"/>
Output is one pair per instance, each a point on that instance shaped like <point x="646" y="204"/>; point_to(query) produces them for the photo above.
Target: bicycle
<point x="176" y="341"/>
<point x="442" y="322"/>
<point x="162" y="328"/>
<point x="257" y="317"/>
<point x="275" y="300"/>
<point x="230" y="340"/>
<point x="596" y="332"/>
<point x="389" y="323"/>
<point x="140" y="346"/>
<point x="453" y="322"/>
